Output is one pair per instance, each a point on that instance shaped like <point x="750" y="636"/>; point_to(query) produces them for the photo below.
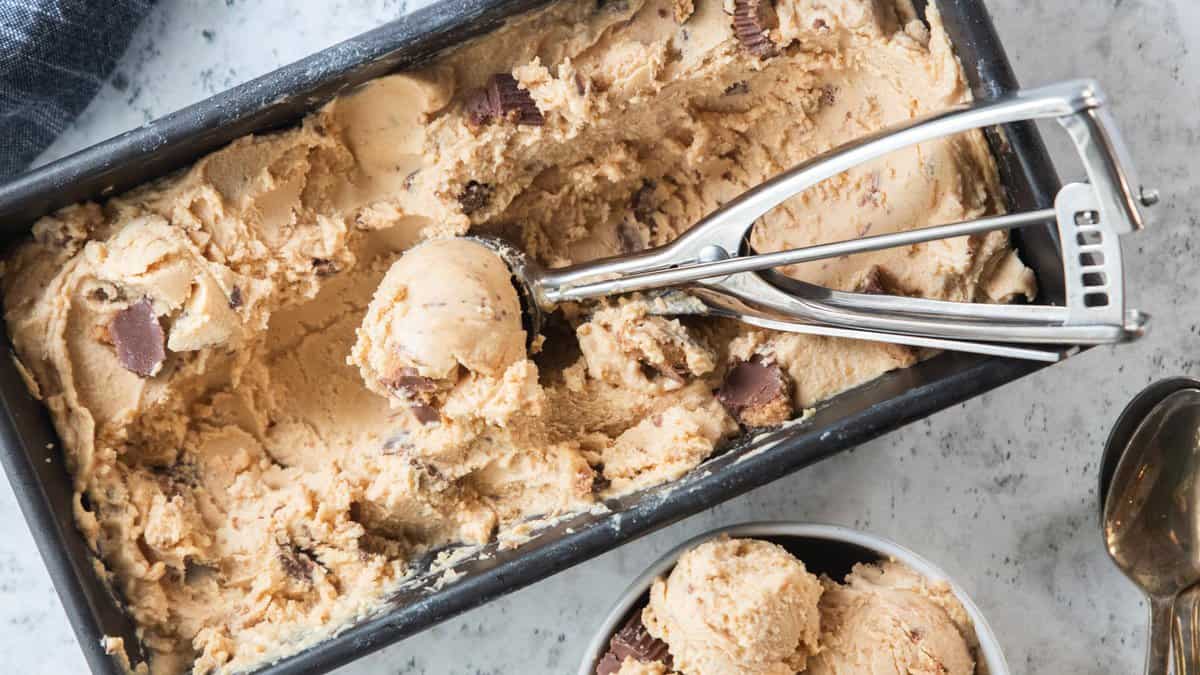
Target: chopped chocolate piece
<point x="644" y="203"/>
<point x="599" y="482"/>
<point x="819" y="24"/>
<point x="757" y="394"/>
<point x="295" y="563"/>
<point x="106" y="293"/>
<point x="479" y="107"/>
<point x="516" y="104"/>
<point x="581" y="83"/>
<point x="235" y="298"/>
<point x="633" y="640"/>
<point x="474" y="196"/>
<point x="752" y="19"/>
<point x="738" y="88"/>
<point x="425" y="414"/>
<point x="609" y="665"/>
<point x="876" y="281"/>
<point x="502" y="99"/>
<point x="325" y="267"/>
<point x="409" y="381"/>
<point x="139" y="339"/>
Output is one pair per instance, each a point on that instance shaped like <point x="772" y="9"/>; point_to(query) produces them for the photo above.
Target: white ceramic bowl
<point x="820" y="547"/>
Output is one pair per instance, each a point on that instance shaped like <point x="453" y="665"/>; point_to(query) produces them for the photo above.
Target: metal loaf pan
<point x="30" y="450"/>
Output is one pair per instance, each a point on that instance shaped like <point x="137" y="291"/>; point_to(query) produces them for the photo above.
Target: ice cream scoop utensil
<point x="713" y="262"/>
<point x="1150" y="518"/>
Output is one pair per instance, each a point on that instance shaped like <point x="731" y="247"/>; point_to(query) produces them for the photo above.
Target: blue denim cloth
<point x="54" y="55"/>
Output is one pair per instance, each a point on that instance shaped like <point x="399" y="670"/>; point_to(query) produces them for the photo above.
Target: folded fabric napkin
<point x="54" y="55"/>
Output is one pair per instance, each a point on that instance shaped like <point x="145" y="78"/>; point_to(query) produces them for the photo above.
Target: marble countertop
<point x="999" y="491"/>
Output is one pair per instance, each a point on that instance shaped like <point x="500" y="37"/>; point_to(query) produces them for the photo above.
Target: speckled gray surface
<point x="1000" y="491"/>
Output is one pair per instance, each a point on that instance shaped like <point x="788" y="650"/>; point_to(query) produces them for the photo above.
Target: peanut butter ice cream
<point x="445" y="317"/>
<point x="749" y="607"/>
<point x="888" y="620"/>
<point x="256" y="461"/>
<point x="736" y="607"/>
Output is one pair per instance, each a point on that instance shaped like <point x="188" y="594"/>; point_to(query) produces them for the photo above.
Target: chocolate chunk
<point x="408" y="381"/>
<point x="295" y="563"/>
<point x="738" y="88"/>
<point x="609" y="665"/>
<point x="633" y="640"/>
<point x="139" y="339"/>
<point x="581" y="83"/>
<point x="600" y="483"/>
<point x="644" y="203"/>
<point x="757" y="394"/>
<point x="474" y="196"/>
<point x="877" y="281"/>
<point x="235" y="298"/>
<point x="752" y="19"/>
<point x="425" y="414"/>
<point x="325" y="267"/>
<point x="502" y="99"/>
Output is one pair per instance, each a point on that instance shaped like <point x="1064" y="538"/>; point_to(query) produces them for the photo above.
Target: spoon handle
<point x="1158" y="641"/>
<point x="1185" y="633"/>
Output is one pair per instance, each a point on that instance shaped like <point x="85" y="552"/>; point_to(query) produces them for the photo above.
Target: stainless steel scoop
<point x="710" y="269"/>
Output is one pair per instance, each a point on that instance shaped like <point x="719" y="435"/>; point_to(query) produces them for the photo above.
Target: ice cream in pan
<point x="261" y="439"/>
<point x="749" y="607"/>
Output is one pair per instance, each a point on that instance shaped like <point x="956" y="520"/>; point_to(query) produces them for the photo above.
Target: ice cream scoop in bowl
<point x="865" y="580"/>
<point x="711" y="270"/>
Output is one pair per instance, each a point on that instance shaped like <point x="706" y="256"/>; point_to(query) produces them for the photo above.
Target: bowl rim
<point x="991" y="653"/>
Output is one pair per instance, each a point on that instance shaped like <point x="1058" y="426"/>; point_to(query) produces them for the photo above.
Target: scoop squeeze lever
<point x="712" y="270"/>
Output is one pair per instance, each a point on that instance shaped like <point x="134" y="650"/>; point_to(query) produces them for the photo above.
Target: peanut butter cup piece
<point x="502" y="99"/>
<point x="407" y="380"/>
<point x="138" y="337"/>
<point x="752" y="20"/>
<point x="425" y="414"/>
<point x="633" y="640"/>
<point x="757" y="394"/>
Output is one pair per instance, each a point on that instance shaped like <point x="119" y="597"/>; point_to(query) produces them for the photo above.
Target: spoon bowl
<point x="1150" y="500"/>
<point x="1127" y="422"/>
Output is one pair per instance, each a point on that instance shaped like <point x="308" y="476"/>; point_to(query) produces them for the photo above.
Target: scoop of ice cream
<point x="444" y="305"/>
<point x="889" y="620"/>
<point x="736" y="606"/>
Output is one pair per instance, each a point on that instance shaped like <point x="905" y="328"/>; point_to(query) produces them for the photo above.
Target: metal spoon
<point x="1150" y="507"/>
<point x="1185" y="633"/>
